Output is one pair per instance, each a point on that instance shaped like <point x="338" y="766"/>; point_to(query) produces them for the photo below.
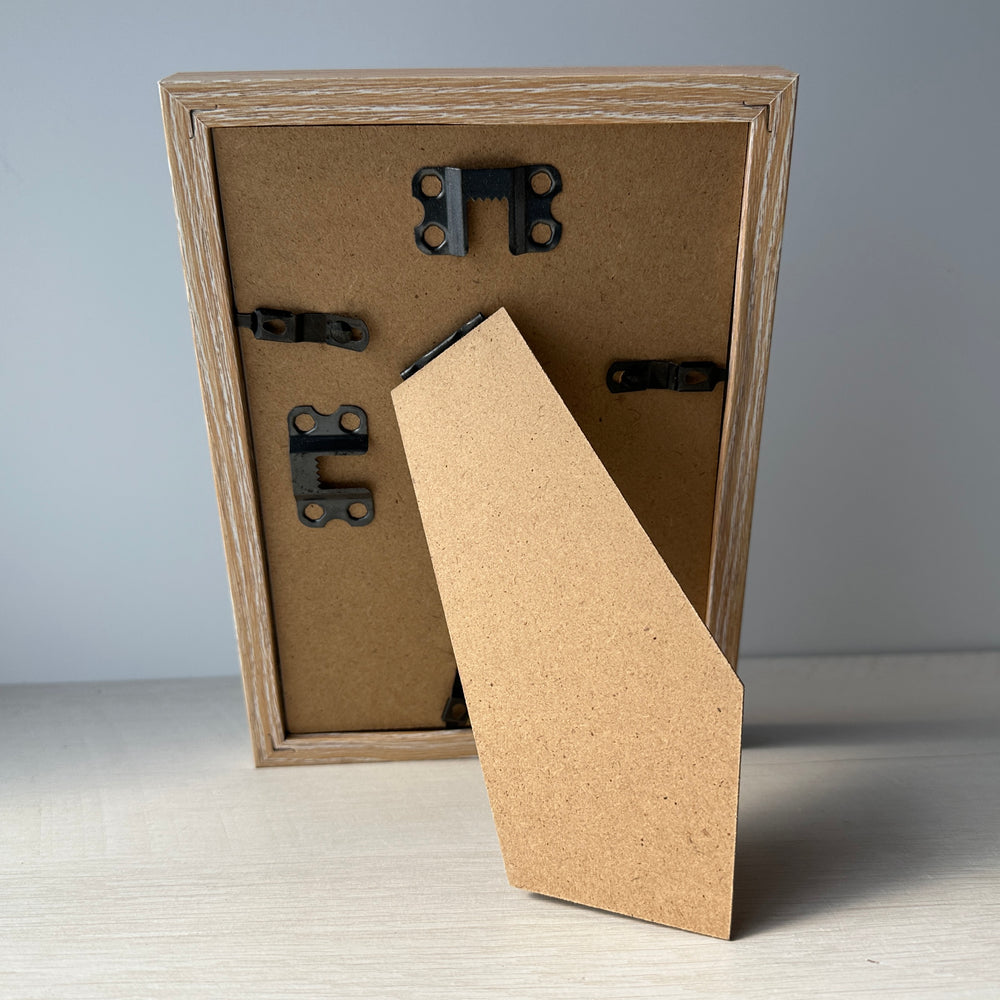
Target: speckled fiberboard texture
<point x="607" y="719"/>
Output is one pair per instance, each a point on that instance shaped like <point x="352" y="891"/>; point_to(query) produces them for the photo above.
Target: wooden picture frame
<point x="194" y="105"/>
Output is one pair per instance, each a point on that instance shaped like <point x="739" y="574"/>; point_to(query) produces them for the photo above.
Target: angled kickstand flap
<point x="607" y="719"/>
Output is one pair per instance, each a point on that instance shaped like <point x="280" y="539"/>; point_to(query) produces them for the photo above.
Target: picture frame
<point x="196" y="106"/>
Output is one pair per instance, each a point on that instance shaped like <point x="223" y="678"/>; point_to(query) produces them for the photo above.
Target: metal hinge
<point x="437" y="349"/>
<point x="679" y="376"/>
<point x="528" y="191"/>
<point x="311" y="435"/>
<point x="310" y="327"/>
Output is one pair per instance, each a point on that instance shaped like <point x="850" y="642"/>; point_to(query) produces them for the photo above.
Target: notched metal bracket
<point x="678" y="376"/>
<point x="310" y="327"/>
<point x="528" y="191"/>
<point x="311" y="435"/>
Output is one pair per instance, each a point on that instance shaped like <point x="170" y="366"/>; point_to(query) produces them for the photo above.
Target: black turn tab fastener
<point x="309" y="327"/>
<point x="456" y="713"/>
<point x="679" y="376"/>
<point x="528" y="191"/>
<point x="311" y="435"/>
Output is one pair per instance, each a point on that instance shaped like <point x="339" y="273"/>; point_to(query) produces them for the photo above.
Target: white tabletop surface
<point x="141" y="855"/>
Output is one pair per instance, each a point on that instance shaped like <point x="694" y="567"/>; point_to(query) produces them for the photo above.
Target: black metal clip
<point x="456" y="712"/>
<point x="311" y="435"/>
<point x="310" y="327"/>
<point x="679" y="376"/>
<point x="528" y="191"/>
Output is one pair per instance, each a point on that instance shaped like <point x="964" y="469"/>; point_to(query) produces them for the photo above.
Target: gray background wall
<point x="875" y="526"/>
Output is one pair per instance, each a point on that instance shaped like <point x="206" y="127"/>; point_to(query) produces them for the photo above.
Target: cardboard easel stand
<point x="607" y="719"/>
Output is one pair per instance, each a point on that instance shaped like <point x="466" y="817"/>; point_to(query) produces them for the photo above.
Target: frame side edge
<point x="753" y="314"/>
<point x="207" y="283"/>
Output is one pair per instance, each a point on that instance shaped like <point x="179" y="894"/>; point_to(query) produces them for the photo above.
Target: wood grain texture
<point x="210" y="301"/>
<point x="194" y="104"/>
<point x="141" y="856"/>
<point x="768" y="159"/>
<point x="484" y="97"/>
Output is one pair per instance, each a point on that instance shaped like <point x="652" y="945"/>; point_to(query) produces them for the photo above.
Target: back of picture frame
<point x="296" y="193"/>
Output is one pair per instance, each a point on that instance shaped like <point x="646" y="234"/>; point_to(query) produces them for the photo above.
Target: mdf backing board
<point x="322" y="218"/>
<point x="607" y="719"/>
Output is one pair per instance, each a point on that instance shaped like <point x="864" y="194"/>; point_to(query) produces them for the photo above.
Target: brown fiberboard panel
<point x="607" y="719"/>
<point x="321" y="218"/>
